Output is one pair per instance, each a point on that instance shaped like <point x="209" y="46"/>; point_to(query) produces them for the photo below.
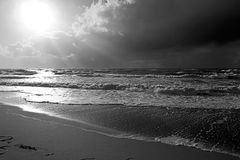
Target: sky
<point x="121" y="34"/>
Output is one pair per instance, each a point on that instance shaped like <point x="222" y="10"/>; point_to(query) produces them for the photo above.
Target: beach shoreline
<point x="26" y="135"/>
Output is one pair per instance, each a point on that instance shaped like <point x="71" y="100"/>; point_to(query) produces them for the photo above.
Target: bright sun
<point x="37" y="16"/>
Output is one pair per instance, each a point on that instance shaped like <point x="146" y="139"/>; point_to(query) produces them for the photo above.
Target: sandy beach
<point x="32" y="136"/>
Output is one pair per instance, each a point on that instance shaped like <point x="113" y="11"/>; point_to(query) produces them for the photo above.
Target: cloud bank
<point x="100" y="16"/>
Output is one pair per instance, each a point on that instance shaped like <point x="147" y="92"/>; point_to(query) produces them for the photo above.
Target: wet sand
<point x="32" y="136"/>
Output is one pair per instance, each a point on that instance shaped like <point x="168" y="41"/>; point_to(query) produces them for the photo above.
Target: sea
<point x="185" y="107"/>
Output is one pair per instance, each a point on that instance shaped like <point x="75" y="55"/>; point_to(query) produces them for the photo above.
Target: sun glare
<point x="37" y="16"/>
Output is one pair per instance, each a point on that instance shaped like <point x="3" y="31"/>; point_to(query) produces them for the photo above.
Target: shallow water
<point x="198" y="108"/>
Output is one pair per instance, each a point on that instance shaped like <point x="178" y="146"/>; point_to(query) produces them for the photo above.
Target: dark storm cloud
<point x="153" y="25"/>
<point x="202" y="32"/>
<point x="208" y="56"/>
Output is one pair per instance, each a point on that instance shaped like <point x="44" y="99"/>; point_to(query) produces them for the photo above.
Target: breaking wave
<point x="17" y="72"/>
<point x="159" y="89"/>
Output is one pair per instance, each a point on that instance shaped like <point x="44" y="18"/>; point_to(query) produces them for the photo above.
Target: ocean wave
<point x="158" y="89"/>
<point x="87" y="73"/>
<point x="232" y="74"/>
<point x="73" y="104"/>
<point x="185" y="76"/>
<point x="207" y="129"/>
<point x="17" y="72"/>
<point x="13" y="77"/>
<point x="94" y="86"/>
<point x="215" y="91"/>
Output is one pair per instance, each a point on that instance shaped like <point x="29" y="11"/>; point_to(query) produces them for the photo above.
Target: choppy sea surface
<point x="191" y="107"/>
